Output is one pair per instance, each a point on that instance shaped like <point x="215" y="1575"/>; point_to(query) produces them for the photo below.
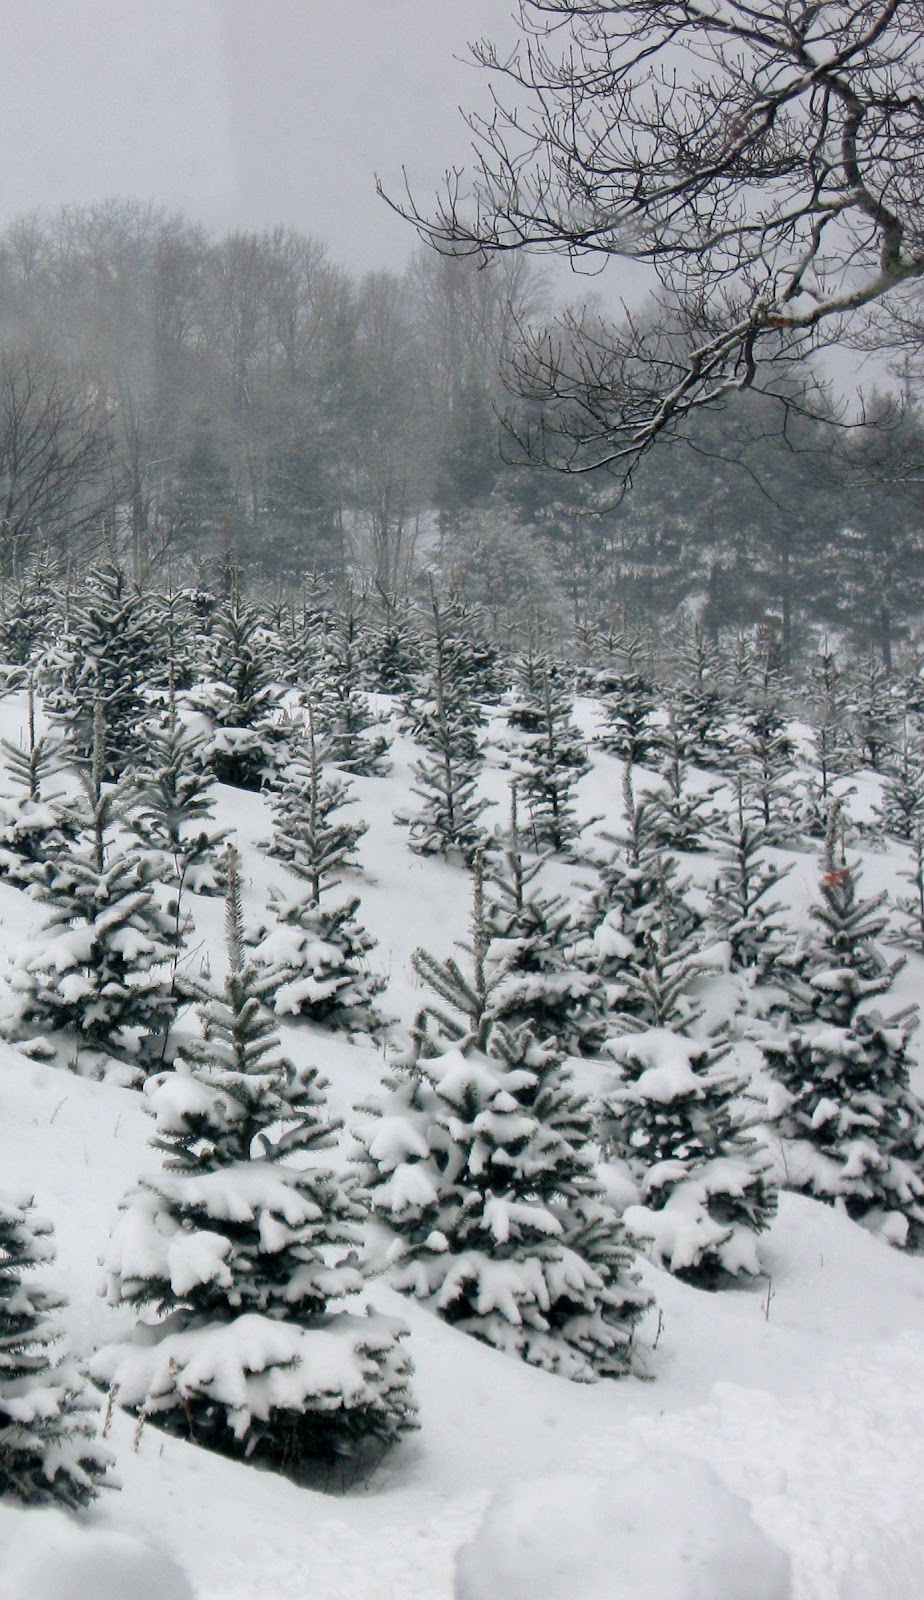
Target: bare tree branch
<point x="765" y="162"/>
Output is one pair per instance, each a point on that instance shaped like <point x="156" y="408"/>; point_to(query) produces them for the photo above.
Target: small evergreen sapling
<point x="173" y="804"/>
<point x="532" y="938"/>
<point x="706" y="1189"/>
<point x="764" y="761"/>
<point x="104" y="657"/>
<point x="681" y="816"/>
<point x="477" y="1164"/>
<point x="628" y="696"/>
<point x="873" y="709"/>
<point x="639" y="885"/>
<point x="312" y="962"/>
<point x="234" y="1252"/>
<point x="304" y="804"/>
<point x="104" y="962"/>
<point x="902" y="808"/>
<point x="674" y="1118"/>
<point x="698" y="700"/>
<point x="833" y="753"/>
<point x="739" y="909"/>
<point x="239" y="696"/>
<point x="447" y="822"/>
<point x="342" y="710"/>
<point x="50" y="1452"/>
<point x="550" y="756"/>
<point x="850" y="1126"/>
<point x="910" y="907"/>
<point x="38" y="821"/>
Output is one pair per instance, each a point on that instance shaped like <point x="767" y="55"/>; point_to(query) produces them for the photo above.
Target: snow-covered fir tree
<point x="173" y="803"/>
<point x="50" y="1449"/>
<point x="874" y="710"/>
<point x="697" y="700"/>
<point x="851" y="1129"/>
<point x="674" y="1117"/>
<point x="739" y="909"/>
<point x="305" y="803"/>
<point x="103" y="656"/>
<point x="625" y="915"/>
<point x="763" y="758"/>
<point x="477" y="1164"/>
<point x="301" y="638"/>
<point x="445" y="720"/>
<point x="467" y="994"/>
<point x="239" y="698"/>
<point x="901" y="810"/>
<point x="351" y="732"/>
<point x="841" y="964"/>
<point x="832" y="750"/>
<point x="629" y="699"/>
<point x="28" y="603"/>
<point x="312" y="959"/>
<point x="395" y="657"/>
<point x="103" y="966"/>
<point x="550" y="757"/>
<point x="235" y="1252"/>
<point x="910" y="907"/>
<point x="37" y="819"/>
<point x="682" y="815"/>
<point x="530" y="945"/>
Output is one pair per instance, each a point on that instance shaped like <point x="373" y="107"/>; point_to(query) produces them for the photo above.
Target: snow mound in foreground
<point x="46" y="1556"/>
<point x="890" y="1563"/>
<point x="665" y="1528"/>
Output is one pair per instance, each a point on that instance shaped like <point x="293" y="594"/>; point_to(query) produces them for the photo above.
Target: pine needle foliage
<point x="50" y="1451"/>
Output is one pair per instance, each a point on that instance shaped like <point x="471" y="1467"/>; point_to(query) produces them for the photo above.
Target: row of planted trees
<point x="480" y="1165"/>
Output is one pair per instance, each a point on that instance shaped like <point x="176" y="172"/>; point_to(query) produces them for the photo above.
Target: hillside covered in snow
<point x="473" y="1101"/>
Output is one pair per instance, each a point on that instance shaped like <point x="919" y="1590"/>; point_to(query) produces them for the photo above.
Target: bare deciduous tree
<point x="764" y="160"/>
<point x="54" y="457"/>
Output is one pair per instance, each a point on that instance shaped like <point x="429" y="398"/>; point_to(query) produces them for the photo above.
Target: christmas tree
<point x="628" y="696"/>
<point x="341" y="709"/>
<point x="104" y="964"/>
<point x="312" y="960"/>
<point x="239" y="696"/>
<point x="851" y="1128"/>
<point x="444" y="720"/>
<point x="550" y="757"/>
<point x="531" y="938"/>
<point x="173" y="803"/>
<point x="37" y="822"/>
<point x="50" y="1453"/>
<point x="104" y="657"/>
<point x="477" y="1164"/>
<point x="739" y="910"/>
<point x="234" y="1253"/>
<point x="304" y="803"/>
<point x="674" y="1117"/>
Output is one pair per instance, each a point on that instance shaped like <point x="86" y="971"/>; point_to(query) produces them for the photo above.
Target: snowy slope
<point x="809" y="1402"/>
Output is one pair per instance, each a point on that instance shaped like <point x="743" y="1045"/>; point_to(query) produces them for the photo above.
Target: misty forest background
<point x="188" y="405"/>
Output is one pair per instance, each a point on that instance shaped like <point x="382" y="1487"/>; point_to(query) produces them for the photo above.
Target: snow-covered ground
<point x="804" y="1392"/>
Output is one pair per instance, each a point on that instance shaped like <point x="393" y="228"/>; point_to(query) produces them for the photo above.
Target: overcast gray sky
<point x="242" y="112"/>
